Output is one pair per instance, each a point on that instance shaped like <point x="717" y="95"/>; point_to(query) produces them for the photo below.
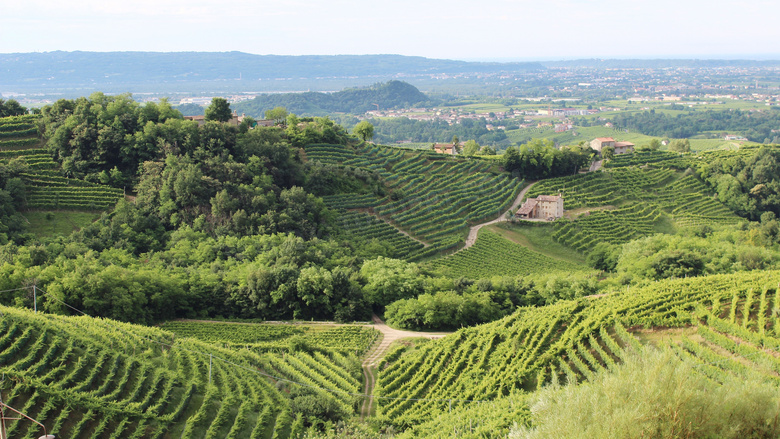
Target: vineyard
<point x="46" y="187"/>
<point x="84" y="378"/>
<point x="263" y="337"/>
<point x="637" y="200"/>
<point x="492" y="254"/>
<point x="362" y="226"/>
<point x="731" y="315"/>
<point x="434" y="198"/>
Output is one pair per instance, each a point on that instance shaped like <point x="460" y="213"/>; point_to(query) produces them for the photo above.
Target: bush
<point x="655" y="395"/>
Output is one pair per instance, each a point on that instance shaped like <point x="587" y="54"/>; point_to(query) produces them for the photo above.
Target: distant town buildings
<point x="620" y="147"/>
<point x="547" y="207"/>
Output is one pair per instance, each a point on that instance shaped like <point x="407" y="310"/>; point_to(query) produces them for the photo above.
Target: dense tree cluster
<point x="750" y="187"/>
<point x="757" y="126"/>
<point x="11" y="107"/>
<point x="540" y="159"/>
<point x="393" y="94"/>
<point x="400" y="129"/>
<point x="12" y="198"/>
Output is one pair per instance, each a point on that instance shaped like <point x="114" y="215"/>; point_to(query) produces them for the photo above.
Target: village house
<point x="619" y="147"/>
<point x="547" y="207"/>
<point x="235" y="120"/>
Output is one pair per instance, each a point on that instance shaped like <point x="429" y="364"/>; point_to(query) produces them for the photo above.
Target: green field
<point x="642" y="201"/>
<point x="50" y="223"/>
<point x="276" y="336"/>
<point x="537" y="237"/>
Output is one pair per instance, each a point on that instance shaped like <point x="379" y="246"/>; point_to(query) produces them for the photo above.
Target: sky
<point x="448" y="29"/>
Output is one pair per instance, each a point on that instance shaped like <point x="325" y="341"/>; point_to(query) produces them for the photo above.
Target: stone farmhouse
<point x="445" y="148"/>
<point x="547" y="207"/>
<point x="620" y="147"/>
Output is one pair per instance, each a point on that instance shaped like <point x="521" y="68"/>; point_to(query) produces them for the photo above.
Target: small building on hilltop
<point x="235" y="119"/>
<point x="547" y="207"/>
<point x="619" y="147"/>
<point x="445" y="148"/>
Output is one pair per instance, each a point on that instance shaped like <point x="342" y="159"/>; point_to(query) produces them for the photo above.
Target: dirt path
<point x="389" y="335"/>
<point x="474" y="231"/>
<point x="595" y="166"/>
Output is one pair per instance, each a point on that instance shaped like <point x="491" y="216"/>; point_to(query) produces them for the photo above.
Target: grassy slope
<point x="45" y="223"/>
<point x="538" y="239"/>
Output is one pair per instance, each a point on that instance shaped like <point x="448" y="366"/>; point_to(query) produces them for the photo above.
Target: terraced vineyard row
<point x="275" y="336"/>
<point x="434" y="197"/>
<point x="570" y="339"/>
<point x="614" y="226"/>
<point x="86" y="378"/>
<point x="643" y="197"/>
<point x="493" y="254"/>
<point x="46" y="187"/>
<point x="674" y="160"/>
<point x="363" y="226"/>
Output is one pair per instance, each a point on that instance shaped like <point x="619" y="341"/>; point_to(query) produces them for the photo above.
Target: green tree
<point x="683" y="145"/>
<point x="365" y="130"/>
<point x="219" y="110"/>
<point x="471" y="147"/>
<point x="388" y="280"/>
<point x="608" y="153"/>
<point x="11" y="108"/>
<point x="487" y="150"/>
<point x="277" y="114"/>
<point x="654" y="144"/>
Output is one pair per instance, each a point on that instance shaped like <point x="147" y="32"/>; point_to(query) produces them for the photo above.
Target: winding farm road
<point x="474" y="231"/>
<point x="389" y="335"/>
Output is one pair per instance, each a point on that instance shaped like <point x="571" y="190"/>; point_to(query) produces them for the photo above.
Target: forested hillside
<point x="393" y="94"/>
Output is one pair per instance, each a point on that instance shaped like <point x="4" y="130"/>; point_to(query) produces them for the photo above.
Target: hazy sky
<point x="455" y="29"/>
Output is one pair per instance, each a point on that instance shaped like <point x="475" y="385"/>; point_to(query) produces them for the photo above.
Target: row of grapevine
<point x="46" y="187"/>
<point x="85" y="377"/>
<point x="362" y="226"/>
<point x="435" y="198"/>
<point x="493" y="254"/>
<point x="569" y="340"/>
<point x="275" y="336"/>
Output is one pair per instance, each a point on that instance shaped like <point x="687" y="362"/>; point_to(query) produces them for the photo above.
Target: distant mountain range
<point x="194" y="71"/>
<point x="71" y="74"/>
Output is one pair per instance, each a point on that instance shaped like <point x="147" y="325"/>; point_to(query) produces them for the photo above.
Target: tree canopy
<point x="219" y="110"/>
